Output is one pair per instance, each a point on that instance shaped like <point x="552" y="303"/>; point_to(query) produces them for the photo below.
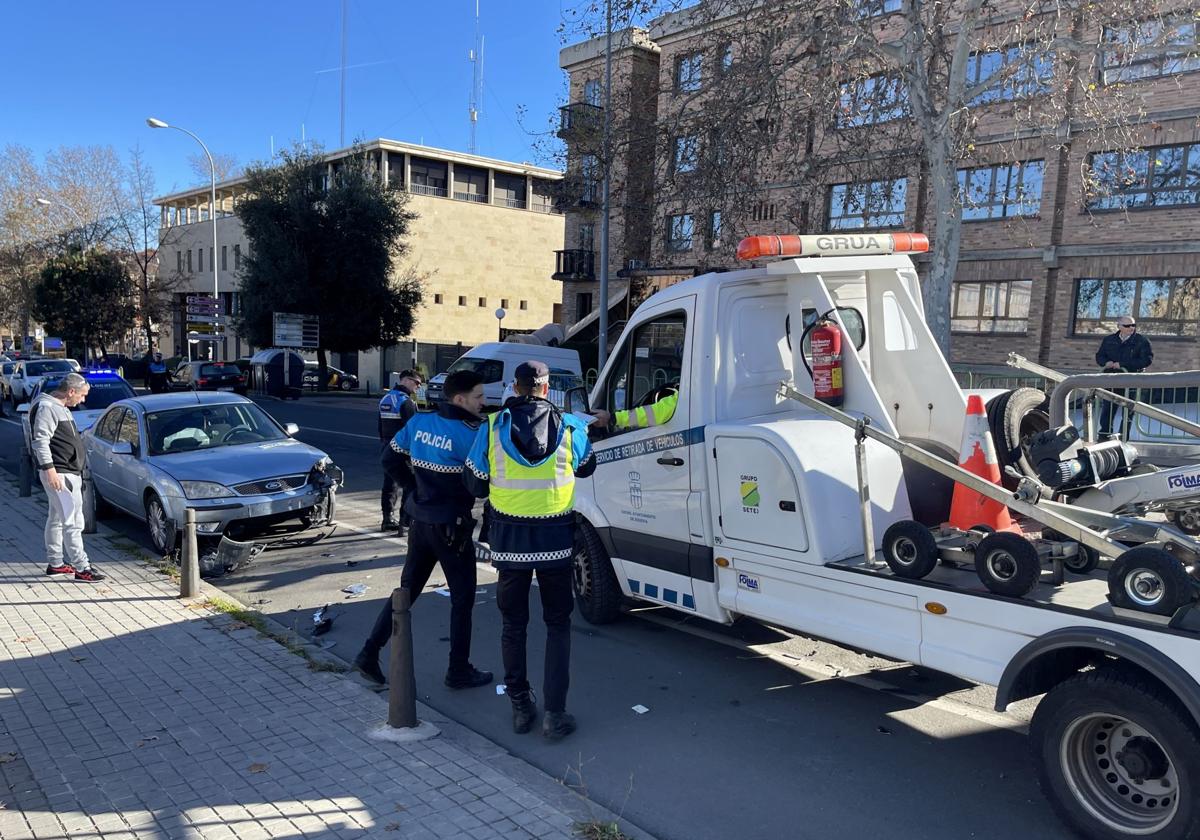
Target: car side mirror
<point x="122" y="447"/>
<point x="576" y="401"/>
<point x="291" y="429"/>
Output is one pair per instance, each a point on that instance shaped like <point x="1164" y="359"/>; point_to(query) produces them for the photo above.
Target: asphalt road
<point x="750" y="732"/>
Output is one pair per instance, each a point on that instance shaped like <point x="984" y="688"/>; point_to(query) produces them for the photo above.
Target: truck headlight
<point x="205" y="490"/>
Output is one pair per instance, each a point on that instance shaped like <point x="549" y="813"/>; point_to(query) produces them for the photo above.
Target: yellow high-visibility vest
<point x="645" y="416"/>
<point x="517" y="489"/>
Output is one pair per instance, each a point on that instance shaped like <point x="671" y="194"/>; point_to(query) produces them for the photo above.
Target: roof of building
<point x="524" y="168"/>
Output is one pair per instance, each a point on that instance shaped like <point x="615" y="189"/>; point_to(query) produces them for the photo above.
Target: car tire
<point x="909" y="549"/>
<point x="1012" y="419"/>
<point x="345" y="385"/>
<point x="164" y="535"/>
<point x="597" y="592"/>
<point x="1148" y="579"/>
<point x="94" y="508"/>
<point x="1077" y="733"/>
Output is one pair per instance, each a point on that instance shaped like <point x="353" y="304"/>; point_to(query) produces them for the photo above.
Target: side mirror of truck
<point x="576" y="401"/>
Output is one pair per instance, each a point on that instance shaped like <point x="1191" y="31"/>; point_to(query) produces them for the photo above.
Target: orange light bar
<point x="831" y="244"/>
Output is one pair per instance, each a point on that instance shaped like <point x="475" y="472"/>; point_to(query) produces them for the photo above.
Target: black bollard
<point x="402" y="683"/>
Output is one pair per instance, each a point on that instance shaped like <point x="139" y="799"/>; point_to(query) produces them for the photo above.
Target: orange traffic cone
<point x="978" y="455"/>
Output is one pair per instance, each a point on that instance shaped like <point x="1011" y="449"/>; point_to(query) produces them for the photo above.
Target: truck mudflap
<point x="1046" y="660"/>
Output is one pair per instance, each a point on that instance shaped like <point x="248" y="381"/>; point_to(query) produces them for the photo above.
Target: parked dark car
<point x="339" y="380"/>
<point x="209" y="376"/>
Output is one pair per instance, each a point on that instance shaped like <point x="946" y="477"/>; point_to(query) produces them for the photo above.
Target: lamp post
<point x="500" y="313"/>
<point x="45" y="202"/>
<point x="212" y="211"/>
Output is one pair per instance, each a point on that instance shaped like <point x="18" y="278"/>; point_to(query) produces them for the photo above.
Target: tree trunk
<point x="944" y="245"/>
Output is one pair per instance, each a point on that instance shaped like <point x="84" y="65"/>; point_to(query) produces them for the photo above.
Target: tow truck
<point x="755" y="499"/>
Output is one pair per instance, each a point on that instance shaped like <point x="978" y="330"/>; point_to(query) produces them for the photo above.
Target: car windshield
<point x="53" y="366"/>
<point x="468" y="363"/>
<point x="208" y="427"/>
<point x="222" y="369"/>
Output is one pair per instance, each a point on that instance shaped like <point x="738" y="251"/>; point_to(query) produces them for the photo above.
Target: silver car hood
<point x="231" y="465"/>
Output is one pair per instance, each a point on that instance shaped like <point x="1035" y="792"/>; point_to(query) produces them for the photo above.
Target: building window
<point x="504" y="303"/>
<point x="212" y="263"/>
<point x="874" y="8"/>
<point x="510" y="190"/>
<point x="470" y="184"/>
<point x="428" y="177"/>
<point x="179" y="261"/>
<point x="1002" y="191"/>
<point x="725" y="57"/>
<point x="686" y="154"/>
<point x="872" y="100"/>
<point x="237" y="257"/>
<point x="1160" y="305"/>
<point x="437" y="298"/>
<point x="200" y="260"/>
<point x="1018" y="71"/>
<point x="991" y="307"/>
<point x="462" y="300"/>
<point x="583" y="305"/>
<point x="1161" y="176"/>
<point x="680" y="228"/>
<point x="189" y="260"/>
<point x="524" y="304"/>
<point x="687" y="72"/>
<point x="1150" y="48"/>
<point x="224" y="257"/>
<point x="592" y="92"/>
<point x="868" y="204"/>
<point x="587" y="236"/>
<point x="714" y="228"/>
<point x="763" y="211"/>
<point x="483" y="301"/>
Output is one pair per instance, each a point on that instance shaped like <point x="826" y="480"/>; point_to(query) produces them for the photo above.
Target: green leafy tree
<point x="87" y="298"/>
<point x="326" y="243"/>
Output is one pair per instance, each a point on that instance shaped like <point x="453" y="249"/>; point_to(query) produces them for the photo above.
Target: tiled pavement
<point x="125" y="712"/>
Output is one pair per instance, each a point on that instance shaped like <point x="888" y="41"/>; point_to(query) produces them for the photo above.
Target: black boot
<point x="524" y="711"/>
<point x="557" y="725"/>
<point x="471" y="678"/>
<point x="367" y="664"/>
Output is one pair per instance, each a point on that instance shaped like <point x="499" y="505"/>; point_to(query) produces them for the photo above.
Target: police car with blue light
<point x="105" y="387"/>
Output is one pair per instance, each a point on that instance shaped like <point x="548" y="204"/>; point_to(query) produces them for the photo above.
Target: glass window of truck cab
<point x="649" y="359"/>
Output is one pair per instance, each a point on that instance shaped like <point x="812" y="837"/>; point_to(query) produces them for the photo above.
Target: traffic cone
<point x="977" y="454"/>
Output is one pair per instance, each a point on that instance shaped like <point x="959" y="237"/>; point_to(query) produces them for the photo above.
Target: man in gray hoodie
<point x="59" y="455"/>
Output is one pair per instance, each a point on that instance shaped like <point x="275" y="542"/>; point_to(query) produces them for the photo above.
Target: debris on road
<point x="640" y="709"/>
<point x="355" y="590"/>
<point x="322" y="620"/>
<point x="501" y="688"/>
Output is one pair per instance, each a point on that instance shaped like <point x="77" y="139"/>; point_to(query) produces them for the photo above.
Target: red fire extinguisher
<point x="826" y="370"/>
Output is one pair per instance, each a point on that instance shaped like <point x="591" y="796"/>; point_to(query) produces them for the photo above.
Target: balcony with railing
<point x="574" y="264"/>
<point x="479" y="198"/>
<point x="427" y="189"/>
<point x="579" y="119"/>
<point x="579" y="191"/>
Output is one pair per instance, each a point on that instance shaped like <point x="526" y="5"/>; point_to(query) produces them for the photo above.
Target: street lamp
<point x="500" y="313"/>
<point x="45" y="202"/>
<point x="212" y="207"/>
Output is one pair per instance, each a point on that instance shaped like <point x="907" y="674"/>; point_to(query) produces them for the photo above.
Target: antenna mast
<point x="476" y="57"/>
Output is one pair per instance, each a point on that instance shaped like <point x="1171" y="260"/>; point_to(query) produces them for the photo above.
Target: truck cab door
<point x="643" y="478"/>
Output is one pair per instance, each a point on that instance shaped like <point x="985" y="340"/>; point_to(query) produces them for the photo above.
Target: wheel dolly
<point x="1009" y="563"/>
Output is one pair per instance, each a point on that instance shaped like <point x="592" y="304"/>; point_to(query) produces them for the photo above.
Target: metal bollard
<point x="402" y="682"/>
<point x="189" y="566"/>
<point x="25" y="474"/>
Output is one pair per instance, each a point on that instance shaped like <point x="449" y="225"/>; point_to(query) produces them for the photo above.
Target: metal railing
<point x="516" y="203"/>
<point x="427" y="189"/>
<point x="574" y="264"/>
<point x="579" y="118"/>
<point x="480" y="198"/>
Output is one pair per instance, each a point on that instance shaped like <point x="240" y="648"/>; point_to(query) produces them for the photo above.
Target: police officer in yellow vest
<point x="525" y="461"/>
<point x="655" y="414"/>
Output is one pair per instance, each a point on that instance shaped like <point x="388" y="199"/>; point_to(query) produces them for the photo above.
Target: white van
<point x="497" y="362"/>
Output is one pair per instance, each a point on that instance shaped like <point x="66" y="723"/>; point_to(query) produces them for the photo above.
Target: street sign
<point x="206" y="329"/>
<point x="202" y="310"/>
<point x="202" y="299"/>
<point x="291" y="330"/>
<point x="28" y="344"/>
<point x="206" y="319"/>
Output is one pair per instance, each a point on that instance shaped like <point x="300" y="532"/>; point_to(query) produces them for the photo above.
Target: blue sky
<point x="237" y="73"/>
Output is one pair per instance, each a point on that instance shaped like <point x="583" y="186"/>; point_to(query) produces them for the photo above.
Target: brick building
<point x="1061" y="233"/>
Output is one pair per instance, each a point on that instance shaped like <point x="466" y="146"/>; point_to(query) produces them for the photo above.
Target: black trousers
<point x="512" y="595"/>
<point x="430" y="545"/>
<point x="1110" y="412"/>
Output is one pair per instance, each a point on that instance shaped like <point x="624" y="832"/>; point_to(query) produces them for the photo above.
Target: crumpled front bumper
<point x="214" y="516"/>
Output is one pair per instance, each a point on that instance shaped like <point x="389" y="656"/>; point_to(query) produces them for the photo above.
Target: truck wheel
<point x="1007" y="563"/>
<point x="1118" y="758"/>
<point x="1149" y="579"/>
<point x="1084" y="562"/>
<point x="909" y="549"/>
<point x="1187" y="520"/>
<point x="596" y="589"/>
<point x="1014" y="418"/>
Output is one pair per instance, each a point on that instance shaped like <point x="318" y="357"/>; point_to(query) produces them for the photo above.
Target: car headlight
<point x="205" y="490"/>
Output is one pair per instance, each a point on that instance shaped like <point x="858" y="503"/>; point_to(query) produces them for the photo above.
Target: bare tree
<point x="226" y="165"/>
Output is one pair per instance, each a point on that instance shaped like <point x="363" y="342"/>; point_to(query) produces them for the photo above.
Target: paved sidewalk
<point x="126" y="713"/>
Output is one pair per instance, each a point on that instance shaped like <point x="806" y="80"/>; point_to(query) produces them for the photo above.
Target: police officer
<point x="158" y="374"/>
<point x="395" y="409"/>
<point x="427" y="457"/>
<point x="525" y="461"/>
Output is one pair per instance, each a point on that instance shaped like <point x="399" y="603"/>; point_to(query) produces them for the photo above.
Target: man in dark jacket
<point x="395" y="409"/>
<point x="525" y="461"/>
<point x="1126" y="351"/>
<point x="426" y="457"/>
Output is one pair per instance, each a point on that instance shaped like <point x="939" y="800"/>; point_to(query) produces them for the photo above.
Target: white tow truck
<point x="750" y="503"/>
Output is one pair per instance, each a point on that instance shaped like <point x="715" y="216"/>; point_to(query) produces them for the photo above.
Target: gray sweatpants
<point x="65" y="536"/>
